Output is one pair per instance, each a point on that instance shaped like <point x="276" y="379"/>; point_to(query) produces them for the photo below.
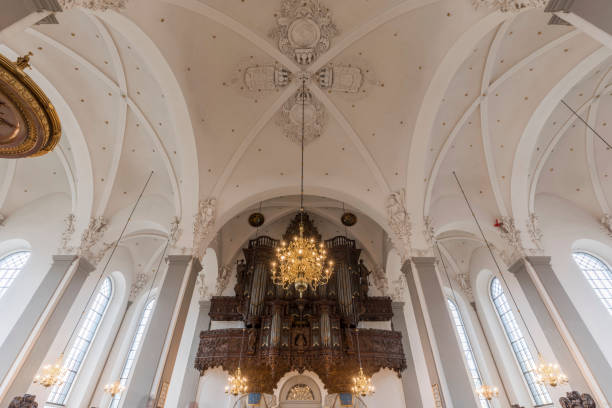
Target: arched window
<point x="521" y="351"/>
<point x="80" y="346"/>
<point x="10" y="266"/>
<point x="598" y="274"/>
<point x="131" y="356"/>
<point x="466" y="347"/>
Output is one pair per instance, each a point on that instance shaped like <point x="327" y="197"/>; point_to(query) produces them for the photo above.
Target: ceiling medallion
<point x="304" y="30"/>
<point x="290" y="117"/>
<point x="29" y="125"/>
<point x="256" y="219"/>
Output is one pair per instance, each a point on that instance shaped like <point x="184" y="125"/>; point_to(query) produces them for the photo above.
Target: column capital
<point x="538" y="260"/>
<point x="179" y="259"/>
<point x="517" y="267"/>
<point x="85" y="265"/>
<point x="424" y="260"/>
<point x="397" y="305"/>
<point x="64" y="258"/>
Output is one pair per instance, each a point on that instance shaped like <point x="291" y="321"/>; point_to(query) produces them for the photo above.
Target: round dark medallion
<point x="348" y="219"/>
<point x="256" y="220"/>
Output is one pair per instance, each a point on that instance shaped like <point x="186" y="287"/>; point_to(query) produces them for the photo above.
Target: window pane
<point x="129" y="361"/>
<point x="10" y="266"/>
<point x="599" y="276"/>
<point x="85" y="334"/>
<point x="466" y="347"/>
<point x="519" y="345"/>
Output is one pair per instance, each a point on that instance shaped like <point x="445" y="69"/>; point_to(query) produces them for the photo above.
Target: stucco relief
<point x="203" y="225"/>
<point x="223" y="277"/>
<point x="138" y="284"/>
<point x="380" y="281"/>
<point x="399" y="222"/>
<point x="290" y="117"/>
<point x="98" y="5"/>
<point x="606" y="222"/>
<point x="535" y="234"/>
<point x="304" y="30"/>
<point x="509" y="5"/>
<point x="463" y="280"/>
<point x="67" y="234"/>
<point x="92" y="247"/>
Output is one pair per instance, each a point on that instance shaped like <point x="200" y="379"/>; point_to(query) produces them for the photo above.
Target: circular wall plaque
<point x="348" y="219"/>
<point x="256" y="219"/>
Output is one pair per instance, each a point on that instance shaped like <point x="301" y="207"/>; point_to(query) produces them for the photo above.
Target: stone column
<point x="140" y="389"/>
<point x="179" y="327"/>
<point x="43" y="339"/>
<point x="191" y="379"/>
<point x="27" y="321"/>
<point x="410" y="384"/>
<point x="422" y="329"/>
<point x="592" y="354"/>
<point x="458" y="384"/>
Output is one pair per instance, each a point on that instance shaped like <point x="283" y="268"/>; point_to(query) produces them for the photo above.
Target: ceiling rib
<point x="121" y="124"/>
<point x="228" y="22"/>
<point x="8" y="180"/>
<point x="133" y="106"/>
<point x="354" y="138"/>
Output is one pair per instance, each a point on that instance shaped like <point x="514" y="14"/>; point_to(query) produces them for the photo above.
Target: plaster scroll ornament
<point x="202" y="286"/>
<point x="223" y="277"/>
<point x="304" y="30"/>
<point x="175" y="231"/>
<point x="203" y="225"/>
<point x="259" y="78"/>
<point x="534" y="231"/>
<point x="379" y="278"/>
<point x="340" y="78"/>
<point x="290" y="118"/>
<point x="512" y="235"/>
<point x="97" y="5"/>
<point x="2" y="219"/>
<point x="463" y="280"/>
<point x="506" y="6"/>
<point x="399" y="221"/>
<point x="606" y="222"/>
<point x="137" y="286"/>
<point x="91" y="246"/>
<point x="398" y="288"/>
<point x="429" y="232"/>
<point x="67" y="235"/>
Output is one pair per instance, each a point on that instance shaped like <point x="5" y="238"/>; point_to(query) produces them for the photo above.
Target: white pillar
<point x="31" y="359"/>
<point x="461" y="391"/>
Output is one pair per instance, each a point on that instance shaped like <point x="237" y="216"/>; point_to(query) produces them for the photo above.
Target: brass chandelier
<point x="301" y="262"/>
<point x="362" y="384"/>
<point x="487" y="392"/>
<point x="237" y="383"/>
<point x="549" y="374"/>
<point x="52" y="374"/>
<point x="114" y="388"/>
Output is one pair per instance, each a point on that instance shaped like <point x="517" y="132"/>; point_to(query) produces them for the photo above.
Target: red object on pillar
<point x="497" y="223"/>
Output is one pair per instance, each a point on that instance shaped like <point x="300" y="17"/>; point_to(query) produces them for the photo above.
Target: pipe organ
<point x="316" y="332"/>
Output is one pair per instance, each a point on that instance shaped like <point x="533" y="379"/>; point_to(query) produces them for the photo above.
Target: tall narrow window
<point x="468" y="353"/>
<point x="519" y="345"/>
<point x="131" y="356"/>
<point x="599" y="276"/>
<point x="80" y="346"/>
<point x="10" y="266"/>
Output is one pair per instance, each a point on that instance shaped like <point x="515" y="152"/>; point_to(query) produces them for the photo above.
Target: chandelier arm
<point x="108" y="261"/>
<point x="495" y="261"/>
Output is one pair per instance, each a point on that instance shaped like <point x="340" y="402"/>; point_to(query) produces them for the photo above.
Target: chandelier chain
<point x="302" y="143"/>
<point x="495" y="261"/>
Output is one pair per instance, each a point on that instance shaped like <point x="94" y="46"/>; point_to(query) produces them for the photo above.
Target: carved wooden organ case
<point x="285" y="332"/>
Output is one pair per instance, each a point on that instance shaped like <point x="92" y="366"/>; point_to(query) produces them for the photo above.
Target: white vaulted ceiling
<point x="157" y="87"/>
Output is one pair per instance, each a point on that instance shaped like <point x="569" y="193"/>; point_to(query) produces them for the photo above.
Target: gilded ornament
<point x="348" y="219"/>
<point x="256" y="220"/>
<point x="29" y="124"/>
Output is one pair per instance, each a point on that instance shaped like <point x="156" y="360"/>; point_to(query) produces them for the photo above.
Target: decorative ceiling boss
<point x="304" y="32"/>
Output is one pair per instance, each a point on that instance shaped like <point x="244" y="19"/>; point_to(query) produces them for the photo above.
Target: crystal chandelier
<point x="301" y="263"/>
<point x="114" y="388"/>
<point x="362" y="384"/>
<point x="487" y="392"/>
<point x="237" y="383"/>
<point x="52" y="374"/>
<point x="549" y="374"/>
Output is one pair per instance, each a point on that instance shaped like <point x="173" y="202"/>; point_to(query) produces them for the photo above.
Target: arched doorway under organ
<point x="300" y="391"/>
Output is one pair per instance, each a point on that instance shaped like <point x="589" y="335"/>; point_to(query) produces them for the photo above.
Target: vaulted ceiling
<point x="446" y="87"/>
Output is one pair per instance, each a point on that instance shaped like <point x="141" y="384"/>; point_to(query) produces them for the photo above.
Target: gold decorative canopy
<point x="29" y="125"/>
